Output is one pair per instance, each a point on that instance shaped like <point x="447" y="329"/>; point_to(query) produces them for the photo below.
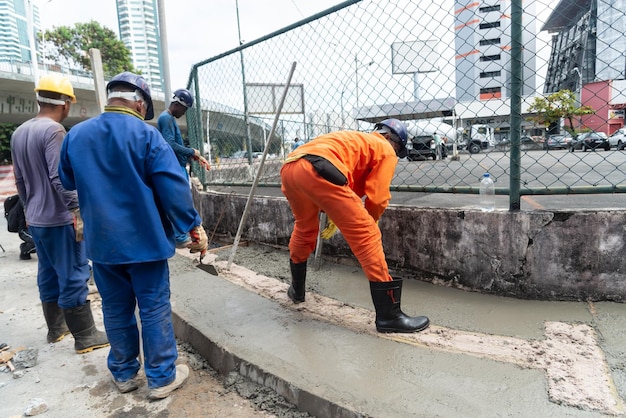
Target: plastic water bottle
<point x="487" y="194"/>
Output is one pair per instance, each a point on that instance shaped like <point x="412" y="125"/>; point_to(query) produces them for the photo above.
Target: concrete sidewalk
<point x="482" y="356"/>
<point x="70" y="385"/>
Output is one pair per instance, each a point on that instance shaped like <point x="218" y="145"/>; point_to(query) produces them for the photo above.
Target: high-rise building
<point x="588" y="58"/>
<point x="483" y="49"/>
<point x="588" y="43"/>
<point x="139" y="30"/>
<point x="14" y="16"/>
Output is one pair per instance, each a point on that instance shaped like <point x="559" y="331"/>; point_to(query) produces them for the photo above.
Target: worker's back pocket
<point x="325" y="169"/>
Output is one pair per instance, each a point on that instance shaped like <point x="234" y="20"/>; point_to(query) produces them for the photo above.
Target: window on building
<point x="489" y="25"/>
<point x="488" y="74"/>
<point x="490" y="93"/>
<point x="494" y="41"/>
<point x="495" y="57"/>
<point x="487" y="9"/>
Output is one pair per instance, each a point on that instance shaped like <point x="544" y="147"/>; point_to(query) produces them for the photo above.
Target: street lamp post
<point x="356" y="80"/>
<point x="31" y="41"/>
<point x="580" y="93"/>
<point x="344" y="82"/>
<point x="165" y="60"/>
<point x="248" y="144"/>
<point x="357" y="67"/>
<point x="343" y="116"/>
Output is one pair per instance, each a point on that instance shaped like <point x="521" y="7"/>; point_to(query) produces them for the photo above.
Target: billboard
<point x="264" y="98"/>
<point x="415" y="57"/>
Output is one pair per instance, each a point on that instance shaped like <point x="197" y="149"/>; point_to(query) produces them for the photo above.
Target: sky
<point x="196" y="29"/>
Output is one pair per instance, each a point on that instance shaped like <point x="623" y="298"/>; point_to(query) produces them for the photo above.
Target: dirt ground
<point x="73" y="385"/>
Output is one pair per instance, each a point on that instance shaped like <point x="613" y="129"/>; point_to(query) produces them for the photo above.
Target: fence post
<point x="197" y="126"/>
<point x="516" y="103"/>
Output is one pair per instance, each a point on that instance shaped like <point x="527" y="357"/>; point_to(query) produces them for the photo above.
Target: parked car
<point x="423" y="148"/>
<point x="526" y="143"/>
<point x="618" y="139"/>
<point x="557" y="141"/>
<point x="244" y="154"/>
<point x="590" y="141"/>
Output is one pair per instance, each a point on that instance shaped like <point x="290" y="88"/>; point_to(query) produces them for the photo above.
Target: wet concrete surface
<point x="482" y="356"/>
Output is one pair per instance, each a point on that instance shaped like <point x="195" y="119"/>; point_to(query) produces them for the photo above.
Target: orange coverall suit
<point x="368" y="161"/>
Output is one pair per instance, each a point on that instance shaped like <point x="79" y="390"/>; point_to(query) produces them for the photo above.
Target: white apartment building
<point x="483" y="49"/>
<point x="483" y="60"/>
<point x="139" y="30"/>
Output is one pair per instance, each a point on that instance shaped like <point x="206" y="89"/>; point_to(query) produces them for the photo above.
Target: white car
<point x="618" y="139"/>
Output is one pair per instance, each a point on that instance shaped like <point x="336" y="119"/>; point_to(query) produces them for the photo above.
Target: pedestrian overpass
<point x="18" y="104"/>
<point x="17" y="98"/>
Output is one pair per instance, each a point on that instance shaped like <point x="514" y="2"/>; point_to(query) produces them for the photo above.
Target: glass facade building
<point x="14" y="44"/>
<point x="588" y="43"/>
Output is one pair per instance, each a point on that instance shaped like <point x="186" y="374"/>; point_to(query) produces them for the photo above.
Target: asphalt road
<point x="539" y="169"/>
<point x="457" y="180"/>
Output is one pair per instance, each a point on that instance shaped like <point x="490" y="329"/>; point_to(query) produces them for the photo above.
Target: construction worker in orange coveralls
<point x="332" y="173"/>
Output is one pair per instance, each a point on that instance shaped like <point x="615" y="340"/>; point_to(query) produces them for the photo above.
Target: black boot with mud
<point x="80" y="322"/>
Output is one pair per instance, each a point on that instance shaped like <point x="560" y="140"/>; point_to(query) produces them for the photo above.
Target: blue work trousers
<point x="63" y="270"/>
<point x="122" y="286"/>
<point x="181" y="236"/>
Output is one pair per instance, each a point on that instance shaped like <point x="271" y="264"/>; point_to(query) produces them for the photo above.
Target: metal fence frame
<point x="516" y="187"/>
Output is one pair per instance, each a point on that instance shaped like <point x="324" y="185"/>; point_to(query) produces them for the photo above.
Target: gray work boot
<point x="80" y="322"/>
<point x="182" y="372"/>
<point x="126" y="386"/>
<point x="57" y="329"/>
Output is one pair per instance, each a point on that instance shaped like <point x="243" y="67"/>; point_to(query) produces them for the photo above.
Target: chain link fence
<point x="535" y="95"/>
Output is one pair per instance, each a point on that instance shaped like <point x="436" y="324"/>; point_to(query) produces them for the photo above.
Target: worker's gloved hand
<point x="78" y="224"/>
<point x="199" y="240"/>
<point x="329" y="230"/>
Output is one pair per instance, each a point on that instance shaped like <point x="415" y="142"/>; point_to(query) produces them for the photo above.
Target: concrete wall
<point x="568" y="255"/>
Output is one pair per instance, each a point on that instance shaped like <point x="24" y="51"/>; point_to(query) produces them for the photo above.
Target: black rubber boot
<point x="298" y="280"/>
<point x="389" y="317"/>
<point x="57" y="329"/>
<point x="80" y="322"/>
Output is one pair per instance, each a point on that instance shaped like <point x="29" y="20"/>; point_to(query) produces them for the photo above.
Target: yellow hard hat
<point x="56" y="84"/>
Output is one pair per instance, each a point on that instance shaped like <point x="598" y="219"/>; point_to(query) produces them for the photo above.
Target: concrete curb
<point x="225" y="362"/>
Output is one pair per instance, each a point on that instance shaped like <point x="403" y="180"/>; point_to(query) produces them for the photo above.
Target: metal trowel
<point x="209" y="268"/>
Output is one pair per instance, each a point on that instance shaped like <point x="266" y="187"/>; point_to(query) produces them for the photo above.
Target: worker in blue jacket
<point x="131" y="189"/>
<point x="182" y="100"/>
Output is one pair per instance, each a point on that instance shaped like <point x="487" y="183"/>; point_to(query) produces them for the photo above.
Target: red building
<point x="608" y="101"/>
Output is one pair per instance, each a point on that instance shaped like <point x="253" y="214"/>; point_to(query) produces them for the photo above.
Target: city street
<point x="540" y="169"/>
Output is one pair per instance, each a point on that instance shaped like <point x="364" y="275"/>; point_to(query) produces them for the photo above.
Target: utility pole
<point x="356" y="80"/>
<point x="31" y="41"/>
<point x="580" y="94"/>
<point x="165" y="59"/>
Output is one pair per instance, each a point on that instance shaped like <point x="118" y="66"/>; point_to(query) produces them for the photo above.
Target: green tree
<point x="562" y="104"/>
<point x="70" y="46"/>
<point x="6" y="130"/>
